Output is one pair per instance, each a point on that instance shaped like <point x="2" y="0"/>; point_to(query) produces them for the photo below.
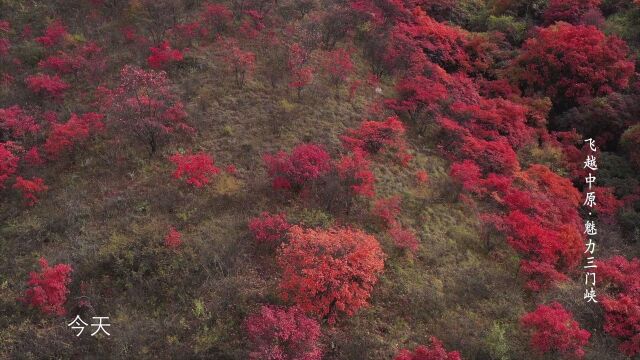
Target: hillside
<point x="362" y="179"/>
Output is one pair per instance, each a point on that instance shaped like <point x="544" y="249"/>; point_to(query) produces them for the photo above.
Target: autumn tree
<point x="47" y="85"/>
<point x="240" y="62"/>
<point x="494" y="118"/>
<point x="555" y="331"/>
<point x="418" y="97"/>
<point x="387" y="210"/>
<point x="195" y="169"/>
<point x="15" y="123"/>
<point x="163" y="55"/>
<point x="48" y="288"/>
<point x="301" y="73"/>
<point x="328" y="272"/>
<point x="621" y="303"/>
<point x="572" y="64"/>
<point x="355" y="177"/>
<point x="78" y="128"/>
<point x="30" y="189"/>
<point x="268" y="228"/>
<point x="53" y="35"/>
<point x="435" y="351"/>
<point x="216" y="17"/>
<point x="570" y="11"/>
<point x="374" y="137"/>
<point x="404" y="238"/>
<point x="338" y="66"/>
<point x="442" y="44"/>
<point x="8" y="161"/>
<point x="278" y="333"/>
<point x="307" y="162"/>
<point x="144" y="105"/>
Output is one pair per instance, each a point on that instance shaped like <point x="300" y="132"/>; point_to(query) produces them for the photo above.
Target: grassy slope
<point x="109" y="207"/>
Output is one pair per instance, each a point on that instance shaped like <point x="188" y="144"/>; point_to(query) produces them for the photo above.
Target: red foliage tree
<point x="607" y="205"/>
<point x="373" y="137"/>
<point x="555" y="330"/>
<point x="30" y="188"/>
<point x="387" y="210"/>
<point x="543" y="225"/>
<point x="283" y="334"/>
<point x="355" y="174"/>
<point x="466" y="173"/>
<point x="268" y="228"/>
<point x="306" y="163"/>
<point x="47" y="85"/>
<point x="622" y="302"/>
<point x="53" y="35"/>
<point x="163" y="55"/>
<point x="301" y="73"/>
<point x="327" y="272"/>
<point x="15" y="123"/>
<point x="8" y="162"/>
<point x="338" y="66"/>
<point x="173" y="239"/>
<point x="419" y="97"/>
<point x="145" y="106"/>
<point x="48" y="289"/>
<point x="77" y="129"/>
<point x="571" y="11"/>
<point x="32" y="157"/>
<point x="571" y="64"/>
<point x="240" y="62"/>
<point x="495" y="118"/>
<point x="196" y="169"/>
<point x="62" y="63"/>
<point x="216" y="17"/>
<point x="410" y="42"/>
<point x="435" y="351"/>
<point x="404" y="238"/>
<point x="85" y="60"/>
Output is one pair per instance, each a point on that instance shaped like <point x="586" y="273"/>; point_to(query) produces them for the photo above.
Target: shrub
<point x="373" y="137"/>
<point x="16" y="123"/>
<point x="622" y="304"/>
<point x="572" y="64"/>
<point x="279" y="333"/>
<point x="163" y="55"/>
<point x="173" y="239"/>
<point x="53" y="34"/>
<point x="355" y="174"/>
<point x="30" y="188"/>
<point x="327" y="272"/>
<point x="435" y="351"/>
<point x="387" y="210"/>
<point x="196" y="169"/>
<point x="555" y="330"/>
<point x="48" y="289"/>
<point x="52" y="86"/>
<point x="571" y="11"/>
<point x="269" y="228"/>
<point x="77" y="129"/>
<point x="404" y="238"/>
<point x="307" y="162"/>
